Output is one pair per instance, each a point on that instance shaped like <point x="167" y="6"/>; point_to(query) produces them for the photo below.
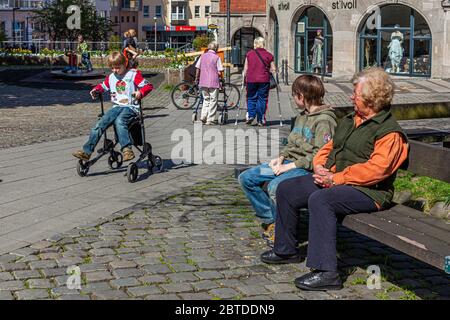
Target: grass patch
<point x="409" y="295"/>
<point x="431" y="190"/>
<point x="382" y="296"/>
<point x="168" y="87"/>
<point x="358" y="281"/>
<point x="87" y="260"/>
<point x="254" y="234"/>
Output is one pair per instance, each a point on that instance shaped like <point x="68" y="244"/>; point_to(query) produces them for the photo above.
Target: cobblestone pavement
<point x="193" y="235"/>
<point x="198" y="243"/>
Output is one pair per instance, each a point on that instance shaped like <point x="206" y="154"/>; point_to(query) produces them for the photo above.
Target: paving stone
<point x="253" y="290"/>
<point x="208" y="275"/>
<point x="73" y="297"/>
<point x="126" y="273"/>
<point x="211" y="265"/>
<point x="91" y="267"/>
<point x="109" y="295"/>
<point x="284" y="296"/>
<point x="182" y="267"/>
<point x="6" y="295"/>
<point x="156" y="269"/>
<point x="148" y="261"/>
<point x="204" y="285"/>
<point x="102" y="252"/>
<point x="143" y="291"/>
<point x="11" y="285"/>
<point x="147" y="280"/>
<point x="26" y="274"/>
<point x="39" y="283"/>
<point x="67" y="262"/>
<point x="182" y="277"/>
<point x="124" y="282"/>
<point x="224" y="293"/>
<point x="42" y="264"/>
<point x="121" y="264"/>
<point x="176" y="287"/>
<point x="314" y="295"/>
<point x="41" y="245"/>
<point x="7" y="258"/>
<point x="281" y="287"/>
<point x="196" y="296"/>
<point x="236" y="273"/>
<point x="61" y="280"/>
<point x="31" y="294"/>
<point x="6" y="276"/>
<point x="169" y="296"/>
<point x="98" y="276"/>
<point x="14" y="266"/>
<point x="257" y="280"/>
<point x="53" y="272"/>
<point x="95" y="286"/>
<point x="63" y="290"/>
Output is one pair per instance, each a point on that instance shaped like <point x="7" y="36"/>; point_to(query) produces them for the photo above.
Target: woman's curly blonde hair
<point x="378" y="89"/>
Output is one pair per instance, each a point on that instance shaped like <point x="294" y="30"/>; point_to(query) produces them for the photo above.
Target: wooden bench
<point x="421" y="236"/>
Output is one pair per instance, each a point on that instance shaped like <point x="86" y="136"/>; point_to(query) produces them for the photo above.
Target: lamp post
<point x="228" y="40"/>
<point x="14" y="24"/>
<point x="155" y="19"/>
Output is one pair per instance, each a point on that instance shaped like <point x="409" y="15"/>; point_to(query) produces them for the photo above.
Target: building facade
<point x="177" y="22"/>
<point x="248" y="20"/>
<point x="124" y="15"/>
<point x="337" y="38"/>
<point x="16" y="22"/>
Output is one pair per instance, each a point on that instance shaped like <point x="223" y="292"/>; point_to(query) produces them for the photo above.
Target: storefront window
<point x="402" y="45"/>
<point x="313" y="43"/>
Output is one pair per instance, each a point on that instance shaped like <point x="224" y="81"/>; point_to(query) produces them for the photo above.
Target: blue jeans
<point x="86" y="61"/>
<point x="252" y="181"/>
<point x="257" y="98"/>
<point x="120" y="117"/>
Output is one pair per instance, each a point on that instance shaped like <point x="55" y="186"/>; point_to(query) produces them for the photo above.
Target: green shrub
<point x="202" y="41"/>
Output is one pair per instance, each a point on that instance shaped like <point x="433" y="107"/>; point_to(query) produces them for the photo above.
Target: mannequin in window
<point x="317" y="51"/>
<point x="396" y="49"/>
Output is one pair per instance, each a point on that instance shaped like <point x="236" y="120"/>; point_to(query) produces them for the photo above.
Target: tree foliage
<point x="53" y="19"/>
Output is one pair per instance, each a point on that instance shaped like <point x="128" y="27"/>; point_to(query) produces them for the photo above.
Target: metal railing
<point x="36" y="46"/>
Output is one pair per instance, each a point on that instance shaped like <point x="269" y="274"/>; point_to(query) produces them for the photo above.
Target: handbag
<point x="273" y="82"/>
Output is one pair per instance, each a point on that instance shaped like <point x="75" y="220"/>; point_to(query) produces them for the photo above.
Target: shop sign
<point x="342" y="5"/>
<point x="283" y="6"/>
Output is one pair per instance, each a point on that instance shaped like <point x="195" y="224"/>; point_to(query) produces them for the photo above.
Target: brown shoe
<point x="80" y="154"/>
<point x="269" y="231"/>
<point x="128" y="154"/>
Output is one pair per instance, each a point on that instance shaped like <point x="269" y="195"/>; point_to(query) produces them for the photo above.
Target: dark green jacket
<point x="311" y="131"/>
<point x="355" y="145"/>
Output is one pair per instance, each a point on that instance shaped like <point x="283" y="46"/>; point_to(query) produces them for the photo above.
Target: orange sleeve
<point x="322" y="155"/>
<point x="388" y="155"/>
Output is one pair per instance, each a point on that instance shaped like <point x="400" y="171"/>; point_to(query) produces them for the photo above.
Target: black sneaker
<point x="250" y="120"/>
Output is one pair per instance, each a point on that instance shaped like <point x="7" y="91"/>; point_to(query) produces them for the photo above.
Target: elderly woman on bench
<point x="353" y="173"/>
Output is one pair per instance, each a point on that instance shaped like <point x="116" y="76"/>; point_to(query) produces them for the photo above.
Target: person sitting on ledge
<point x="313" y="128"/>
<point x="353" y="173"/>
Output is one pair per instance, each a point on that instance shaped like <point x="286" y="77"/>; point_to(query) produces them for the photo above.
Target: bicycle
<point x="185" y="95"/>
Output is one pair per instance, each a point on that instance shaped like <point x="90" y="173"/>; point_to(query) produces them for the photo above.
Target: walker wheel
<point x="115" y="161"/>
<point x="194" y="117"/>
<point x="223" y="118"/>
<point x="132" y="172"/>
<point x="82" y="169"/>
<point x="159" y="163"/>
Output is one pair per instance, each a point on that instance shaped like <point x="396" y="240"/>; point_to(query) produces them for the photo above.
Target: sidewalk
<point x="187" y="233"/>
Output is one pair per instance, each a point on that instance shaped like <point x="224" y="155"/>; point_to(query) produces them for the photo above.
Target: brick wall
<point x="244" y="6"/>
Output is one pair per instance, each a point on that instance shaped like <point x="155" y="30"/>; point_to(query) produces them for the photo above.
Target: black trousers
<point x="323" y="206"/>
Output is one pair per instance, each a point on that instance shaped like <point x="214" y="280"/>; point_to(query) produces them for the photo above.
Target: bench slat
<point x="415" y="225"/>
<point x="415" y="244"/>
<point x="428" y="160"/>
<point x="423" y="218"/>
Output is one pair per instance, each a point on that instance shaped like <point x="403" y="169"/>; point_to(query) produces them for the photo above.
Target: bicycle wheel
<point x="185" y="95"/>
<point x="231" y="96"/>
